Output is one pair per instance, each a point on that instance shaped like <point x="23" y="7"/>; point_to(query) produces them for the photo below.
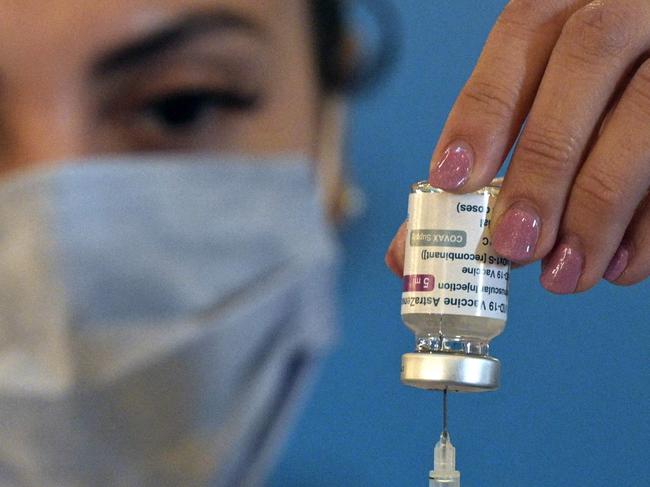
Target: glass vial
<point x="455" y="289"/>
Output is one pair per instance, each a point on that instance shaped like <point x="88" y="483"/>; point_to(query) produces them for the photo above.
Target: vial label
<point x="450" y="266"/>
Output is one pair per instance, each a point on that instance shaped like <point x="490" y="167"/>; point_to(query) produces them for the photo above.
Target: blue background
<point x="573" y="406"/>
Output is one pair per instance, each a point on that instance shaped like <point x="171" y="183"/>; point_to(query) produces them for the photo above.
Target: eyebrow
<point x="172" y="36"/>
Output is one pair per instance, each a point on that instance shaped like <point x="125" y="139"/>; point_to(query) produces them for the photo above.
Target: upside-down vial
<point x="455" y="289"/>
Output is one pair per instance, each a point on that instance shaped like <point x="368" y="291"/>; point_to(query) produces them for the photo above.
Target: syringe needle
<point x="445" y="430"/>
<point x="444" y="473"/>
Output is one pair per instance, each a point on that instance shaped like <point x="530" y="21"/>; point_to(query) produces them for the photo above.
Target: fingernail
<point x="395" y="254"/>
<point x="517" y="233"/>
<point x="454" y="168"/>
<point x="618" y="264"/>
<point x="562" y="271"/>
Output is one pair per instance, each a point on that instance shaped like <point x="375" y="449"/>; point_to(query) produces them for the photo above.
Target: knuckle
<point x="598" y="193"/>
<point x="518" y="14"/>
<point x="599" y="30"/>
<point x="522" y="11"/>
<point x="491" y="98"/>
<point x="546" y="153"/>
<point x="522" y="19"/>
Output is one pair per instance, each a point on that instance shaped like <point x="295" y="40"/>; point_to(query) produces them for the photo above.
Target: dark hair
<point x="329" y="38"/>
<point x="335" y="72"/>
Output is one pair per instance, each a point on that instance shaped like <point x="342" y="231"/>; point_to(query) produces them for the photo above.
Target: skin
<point x="252" y="81"/>
<point x="576" y="69"/>
<point x="579" y="73"/>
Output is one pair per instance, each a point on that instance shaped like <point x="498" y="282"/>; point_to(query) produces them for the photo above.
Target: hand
<point x="574" y="78"/>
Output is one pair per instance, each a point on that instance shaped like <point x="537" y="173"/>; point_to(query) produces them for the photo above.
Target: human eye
<point x="181" y="111"/>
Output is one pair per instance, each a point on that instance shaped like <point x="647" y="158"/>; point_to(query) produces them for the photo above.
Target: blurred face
<point x="81" y="77"/>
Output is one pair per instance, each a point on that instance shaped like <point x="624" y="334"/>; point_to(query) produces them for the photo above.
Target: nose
<point x="41" y="132"/>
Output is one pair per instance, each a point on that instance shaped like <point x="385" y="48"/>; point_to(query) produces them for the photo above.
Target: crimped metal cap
<point x="452" y="371"/>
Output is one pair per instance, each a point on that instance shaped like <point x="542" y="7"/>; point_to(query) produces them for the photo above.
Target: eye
<point x="187" y="110"/>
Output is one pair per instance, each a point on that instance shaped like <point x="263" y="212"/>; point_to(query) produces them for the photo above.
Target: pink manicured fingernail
<point x="453" y="170"/>
<point x="618" y="264"/>
<point x="517" y="233"/>
<point x="562" y="271"/>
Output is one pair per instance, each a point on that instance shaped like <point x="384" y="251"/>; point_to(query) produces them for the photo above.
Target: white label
<point x="450" y="266"/>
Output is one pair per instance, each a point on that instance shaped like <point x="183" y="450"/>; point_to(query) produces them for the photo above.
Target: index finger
<point x="491" y="108"/>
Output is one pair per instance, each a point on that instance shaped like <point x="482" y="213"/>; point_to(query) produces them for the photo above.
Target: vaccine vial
<point x="455" y="289"/>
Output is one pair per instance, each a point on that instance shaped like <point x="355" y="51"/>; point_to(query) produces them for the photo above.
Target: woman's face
<point x="80" y="77"/>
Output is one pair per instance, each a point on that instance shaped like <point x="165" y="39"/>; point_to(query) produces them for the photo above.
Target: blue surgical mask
<point x="159" y="318"/>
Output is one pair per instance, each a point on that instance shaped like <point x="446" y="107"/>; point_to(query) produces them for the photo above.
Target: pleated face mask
<point x="158" y="318"/>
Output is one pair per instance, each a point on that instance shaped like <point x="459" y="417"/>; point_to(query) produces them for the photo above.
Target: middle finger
<point x="598" y="46"/>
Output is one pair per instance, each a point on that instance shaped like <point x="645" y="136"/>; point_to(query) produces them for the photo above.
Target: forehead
<point x="81" y="27"/>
